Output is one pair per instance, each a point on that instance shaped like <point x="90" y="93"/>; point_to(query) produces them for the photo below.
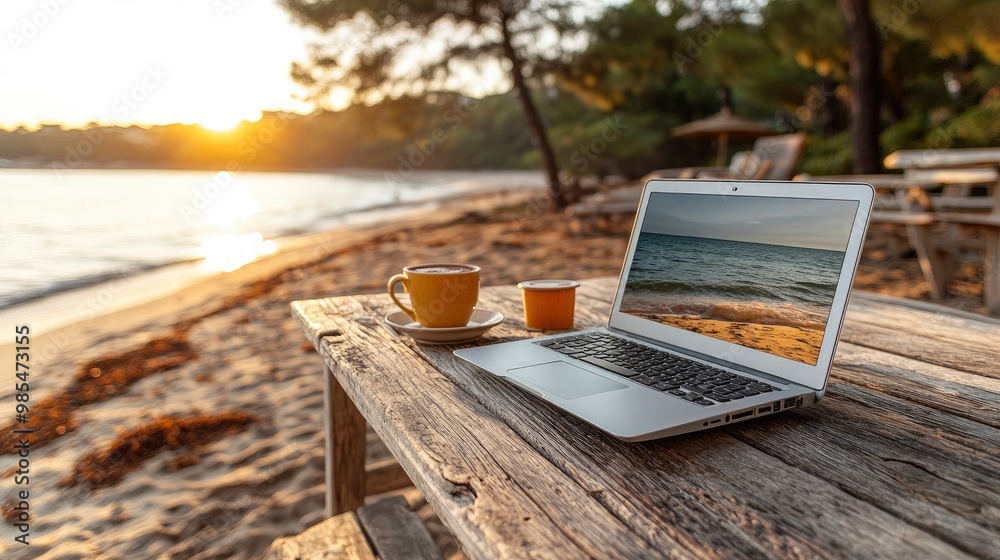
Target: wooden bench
<point x="989" y="224"/>
<point x="386" y="529"/>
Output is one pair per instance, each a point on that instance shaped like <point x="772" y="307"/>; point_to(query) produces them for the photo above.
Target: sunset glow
<point x="120" y="63"/>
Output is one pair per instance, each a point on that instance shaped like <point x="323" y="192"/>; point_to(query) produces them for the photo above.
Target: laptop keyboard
<point x="683" y="378"/>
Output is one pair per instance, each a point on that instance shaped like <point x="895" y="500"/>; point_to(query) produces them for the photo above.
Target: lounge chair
<point x="772" y="158"/>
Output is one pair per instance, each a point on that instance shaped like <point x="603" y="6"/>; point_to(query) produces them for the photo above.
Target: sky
<point x="212" y="62"/>
<point x="795" y="222"/>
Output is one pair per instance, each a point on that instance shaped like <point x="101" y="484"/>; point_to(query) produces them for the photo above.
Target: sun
<point x="219" y="123"/>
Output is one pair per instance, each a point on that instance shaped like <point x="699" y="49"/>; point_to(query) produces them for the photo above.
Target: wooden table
<point x="901" y="460"/>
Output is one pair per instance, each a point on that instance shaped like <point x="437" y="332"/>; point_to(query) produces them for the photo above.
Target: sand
<point x="246" y="379"/>
<point x="796" y="343"/>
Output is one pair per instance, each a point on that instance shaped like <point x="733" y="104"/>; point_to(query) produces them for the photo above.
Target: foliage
<point x="609" y="87"/>
<point x="974" y="127"/>
<point x="827" y="155"/>
<point x="449" y="131"/>
<point x="387" y="48"/>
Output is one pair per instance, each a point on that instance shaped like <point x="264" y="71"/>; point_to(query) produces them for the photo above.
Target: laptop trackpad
<point x="565" y="380"/>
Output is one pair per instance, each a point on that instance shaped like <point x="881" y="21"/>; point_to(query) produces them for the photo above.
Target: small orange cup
<point x="548" y="304"/>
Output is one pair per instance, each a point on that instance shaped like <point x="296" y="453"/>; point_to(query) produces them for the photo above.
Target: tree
<point x="866" y="84"/>
<point x="380" y="48"/>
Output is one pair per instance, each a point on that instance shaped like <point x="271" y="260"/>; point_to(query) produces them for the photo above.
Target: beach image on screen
<point x="758" y="272"/>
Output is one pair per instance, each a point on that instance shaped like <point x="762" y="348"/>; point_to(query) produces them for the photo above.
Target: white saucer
<point x="482" y="321"/>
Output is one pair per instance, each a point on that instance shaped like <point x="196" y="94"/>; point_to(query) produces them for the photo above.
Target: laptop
<point x="728" y="308"/>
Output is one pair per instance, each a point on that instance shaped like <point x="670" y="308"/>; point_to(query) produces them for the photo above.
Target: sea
<point x="732" y="281"/>
<point x="62" y="230"/>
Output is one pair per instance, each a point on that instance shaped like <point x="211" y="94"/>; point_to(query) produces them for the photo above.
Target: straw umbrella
<point x="724" y="125"/>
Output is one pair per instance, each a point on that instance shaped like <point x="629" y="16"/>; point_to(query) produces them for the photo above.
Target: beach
<point x="796" y="343"/>
<point x="219" y="399"/>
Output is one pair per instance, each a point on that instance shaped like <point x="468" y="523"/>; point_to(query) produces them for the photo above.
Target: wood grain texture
<point x="396" y="532"/>
<point x="941" y="337"/>
<point x="955" y="392"/>
<point x="923" y="467"/>
<point x="509" y="505"/>
<point x="337" y="537"/>
<point x="737" y="514"/>
<point x="900" y="459"/>
<point x="345" y="454"/>
<point x="385" y="476"/>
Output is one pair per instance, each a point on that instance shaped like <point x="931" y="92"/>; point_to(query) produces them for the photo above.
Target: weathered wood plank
<point x="385" y="476"/>
<point x="509" y="504"/>
<point x="893" y="455"/>
<point x="396" y="532"/>
<point x="991" y="266"/>
<point x="694" y="491"/>
<point x="967" y="395"/>
<point x="345" y="449"/>
<point x="971" y="320"/>
<point x="336" y="537"/>
<point x="944" y="338"/>
<point x="931" y="158"/>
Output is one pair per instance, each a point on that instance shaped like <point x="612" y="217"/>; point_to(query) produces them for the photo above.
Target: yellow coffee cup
<point x="548" y="304"/>
<point x="441" y="294"/>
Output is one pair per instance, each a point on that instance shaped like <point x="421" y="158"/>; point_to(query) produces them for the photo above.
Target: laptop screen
<point x="760" y="272"/>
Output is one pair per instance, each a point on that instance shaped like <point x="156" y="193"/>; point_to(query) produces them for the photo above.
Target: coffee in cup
<point x="441" y="294"/>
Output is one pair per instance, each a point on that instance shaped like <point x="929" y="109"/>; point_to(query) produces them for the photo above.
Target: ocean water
<point x="732" y="281"/>
<point x="62" y="231"/>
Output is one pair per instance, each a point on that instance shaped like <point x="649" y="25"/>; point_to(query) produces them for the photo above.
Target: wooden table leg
<point x="345" y="448"/>
<point x="935" y="264"/>
<point x="991" y="269"/>
<point x="991" y="260"/>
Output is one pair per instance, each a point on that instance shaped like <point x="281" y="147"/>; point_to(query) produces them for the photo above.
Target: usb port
<point x="716" y="421"/>
<point x="743" y="414"/>
<point x="789" y="403"/>
<point x="764" y="409"/>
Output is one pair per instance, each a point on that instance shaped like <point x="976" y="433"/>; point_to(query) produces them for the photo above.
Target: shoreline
<point x="113" y="292"/>
<point x="84" y="324"/>
<point x="786" y="341"/>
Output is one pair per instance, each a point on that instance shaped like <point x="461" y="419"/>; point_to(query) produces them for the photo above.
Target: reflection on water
<point x="229" y="251"/>
<point x="75" y="229"/>
<point x="226" y="252"/>
<point x="234" y="204"/>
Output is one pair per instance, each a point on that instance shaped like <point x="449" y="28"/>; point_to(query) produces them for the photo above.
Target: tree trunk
<point x="831" y="113"/>
<point x="865" y="84"/>
<point x="534" y="119"/>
